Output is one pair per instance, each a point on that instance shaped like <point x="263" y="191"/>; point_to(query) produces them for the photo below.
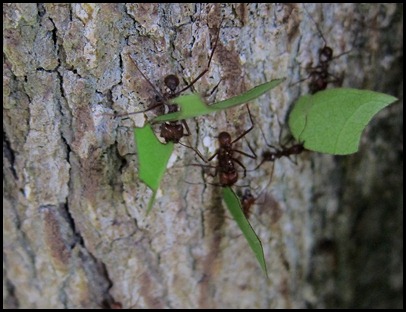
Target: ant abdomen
<point x="228" y="178"/>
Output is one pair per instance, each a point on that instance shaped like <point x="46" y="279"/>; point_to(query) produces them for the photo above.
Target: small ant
<point x="247" y="201"/>
<point x="283" y="151"/>
<point x="264" y="200"/>
<point x="172" y="131"/>
<point x="319" y="74"/>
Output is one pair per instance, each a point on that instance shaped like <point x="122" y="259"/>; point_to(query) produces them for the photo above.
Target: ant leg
<point x="238" y="162"/>
<point x="283" y="145"/>
<point x="208" y="173"/>
<point x="203" y="175"/>
<point x="260" y="164"/>
<point x="245" y="154"/>
<point x="338" y="81"/>
<point x="205" y="182"/>
<point x="134" y="113"/>
<point x="246" y="131"/>
<point x="185" y="125"/>
<point x="212" y="156"/>
<point x="280" y="136"/>
<point x="251" y="149"/>
<point x="195" y="150"/>
<point x="301" y="80"/>
<point x="204" y="71"/>
<point x="341" y="54"/>
<point x="159" y="95"/>
<point x="263" y="135"/>
<point x="191" y="147"/>
<point x="207" y="94"/>
<point x="200" y="165"/>
<point x="281" y="127"/>
<point x="317" y="26"/>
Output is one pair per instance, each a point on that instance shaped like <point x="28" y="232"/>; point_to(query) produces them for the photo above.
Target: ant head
<point x="326" y="54"/>
<point x="224" y="139"/>
<point x="247" y="193"/>
<point x="297" y="148"/>
<point x="172" y="82"/>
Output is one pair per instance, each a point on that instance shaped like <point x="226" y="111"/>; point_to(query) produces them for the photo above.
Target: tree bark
<point x="75" y="233"/>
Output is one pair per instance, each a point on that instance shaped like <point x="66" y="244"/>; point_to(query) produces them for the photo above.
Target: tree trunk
<point x="75" y="233"/>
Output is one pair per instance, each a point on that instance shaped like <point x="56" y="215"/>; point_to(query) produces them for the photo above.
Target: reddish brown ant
<point x="172" y="131"/>
<point x="247" y="201"/>
<point x="319" y="75"/>
<point x="283" y="151"/>
<point x="228" y="174"/>
<point x="226" y="168"/>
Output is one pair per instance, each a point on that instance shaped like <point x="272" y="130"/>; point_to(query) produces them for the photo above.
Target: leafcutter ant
<point x="283" y="151"/>
<point x="264" y="200"/>
<point x="247" y="201"/>
<point x="226" y="168"/>
<point x="319" y="75"/>
<point x="171" y="131"/>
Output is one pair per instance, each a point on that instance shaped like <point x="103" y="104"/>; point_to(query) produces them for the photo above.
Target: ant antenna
<point x="317" y="26"/>
<point x="158" y="93"/>
<point x="208" y="64"/>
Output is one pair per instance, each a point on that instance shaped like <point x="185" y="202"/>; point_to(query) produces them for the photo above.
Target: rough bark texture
<point x="75" y="234"/>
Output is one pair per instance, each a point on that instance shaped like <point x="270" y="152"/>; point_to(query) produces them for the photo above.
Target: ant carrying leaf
<point x="226" y="166"/>
<point x="171" y="131"/>
<point x="192" y="106"/>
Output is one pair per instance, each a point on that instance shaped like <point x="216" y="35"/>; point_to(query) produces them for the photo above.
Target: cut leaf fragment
<point x="153" y="157"/>
<point x="191" y="105"/>
<point x="332" y="121"/>
<point x="249" y="95"/>
<point x="234" y="206"/>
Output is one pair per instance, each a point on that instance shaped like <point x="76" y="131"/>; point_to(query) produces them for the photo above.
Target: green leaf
<point x="153" y="157"/>
<point x="332" y="121"/>
<point x="249" y="95"/>
<point x="151" y="201"/>
<point x="234" y="206"/>
<point x="192" y="105"/>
